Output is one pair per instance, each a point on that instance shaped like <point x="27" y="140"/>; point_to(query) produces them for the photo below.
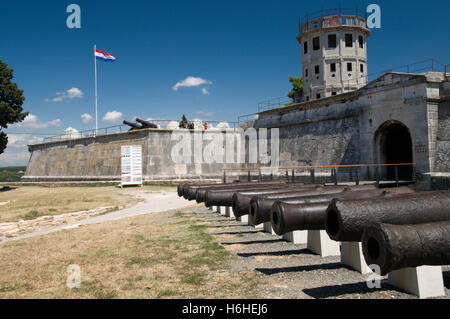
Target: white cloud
<point x="32" y="121"/>
<point x="86" y="118"/>
<point x="73" y="93"/>
<point x="190" y="81"/>
<point x="70" y="132"/>
<point x="205" y="113"/>
<point x="113" y="116"/>
<point x="16" y="153"/>
<point x="205" y="91"/>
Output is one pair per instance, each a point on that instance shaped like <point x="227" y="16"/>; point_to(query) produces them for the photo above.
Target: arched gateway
<point x="393" y="145"/>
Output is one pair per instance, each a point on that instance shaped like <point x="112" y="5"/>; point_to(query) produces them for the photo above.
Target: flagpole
<point x="95" y="71"/>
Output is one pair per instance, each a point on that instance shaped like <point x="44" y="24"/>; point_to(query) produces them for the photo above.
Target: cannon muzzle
<point x="289" y="217"/>
<point x="394" y="247"/>
<point x="346" y="220"/>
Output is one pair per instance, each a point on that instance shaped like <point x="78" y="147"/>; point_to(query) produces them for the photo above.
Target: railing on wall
<point x="163" y="124"/>
<point x="428" y="65"/>
<point x="273" y="103"/>
<point x="398" y="174"/>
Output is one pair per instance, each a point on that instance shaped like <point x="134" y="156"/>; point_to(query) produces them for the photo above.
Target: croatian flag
<point x="99" y="55"/>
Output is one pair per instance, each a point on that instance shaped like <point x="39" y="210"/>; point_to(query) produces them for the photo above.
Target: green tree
<point x="183" y="122"/>
<point x="297" y="86"/>
<point x="11" y="101"/>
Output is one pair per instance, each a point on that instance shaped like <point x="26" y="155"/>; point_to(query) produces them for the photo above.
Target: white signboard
<point x="131" y="163"/>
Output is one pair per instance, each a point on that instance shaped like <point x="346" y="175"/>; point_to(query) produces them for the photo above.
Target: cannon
<point x="134" y="126"/>
<point x="241" y="201"/>
<point x="224" y="197"/>
<point x="183" y="188"/>
<point x="308" y="213"/>
<point x="394" y="247"/>
<point x="201" y="193"/>
<point x="190" y="191"/>
<point x="346" y="220"/>
<point x="146" y="124"/>
<point x="260" y="207"/>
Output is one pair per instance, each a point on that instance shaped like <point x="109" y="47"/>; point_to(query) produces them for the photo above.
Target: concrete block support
<point x="225" y="211"/>
<point x="297" y="237"/>
<point x="352" y="256"/>
<point x="215" y="209"/>
<point x="260" y="226"/>
<point x="320" y="243"/>
<point x="221" y="210"/>
<point x="423" y="281"/>
<point x="268" y="228"/>
<point x="229" y="212"/>
<point x="243" y="219"/>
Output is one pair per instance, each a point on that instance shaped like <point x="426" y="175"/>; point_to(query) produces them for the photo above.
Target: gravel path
<point x="291" y="271"/>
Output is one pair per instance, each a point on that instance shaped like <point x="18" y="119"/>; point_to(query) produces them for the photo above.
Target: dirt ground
<point x="186" y="253"/>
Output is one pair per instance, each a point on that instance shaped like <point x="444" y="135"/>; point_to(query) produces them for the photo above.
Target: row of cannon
<point x="398" y="227"/>
<point x="141" y="124"/>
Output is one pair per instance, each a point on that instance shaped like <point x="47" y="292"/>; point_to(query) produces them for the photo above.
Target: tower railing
<point x="331" y="18"/>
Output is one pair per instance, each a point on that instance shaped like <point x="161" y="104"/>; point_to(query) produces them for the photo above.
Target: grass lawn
<point x="161" y="255"/>
<point x="28" y="202"/>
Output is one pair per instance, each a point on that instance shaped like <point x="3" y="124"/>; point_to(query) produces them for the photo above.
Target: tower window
<point x="349" y="67"/>
<point x="318" y="96"/>
<point x="333" y="93"/>
<point x="317" y="69"/>
<point x="361" y="68"/>
<point x="306" y="73"/>
<point x="316" y="44"/>
<point x="348" y="40"/>
<point x="307" y="98"/>
<point x="305" y="47"/>
<point x="332" y="41"/>
<point x="361" y="42"/>
<point x="333" y="67"/>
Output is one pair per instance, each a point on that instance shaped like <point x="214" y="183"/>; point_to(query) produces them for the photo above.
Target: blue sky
<point x="245" y="50"/>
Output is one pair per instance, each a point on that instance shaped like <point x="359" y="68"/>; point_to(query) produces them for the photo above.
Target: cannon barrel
<point x="199" y="193"/>
<point x="225" y="197"/>
<point x="259" y="211"/>
<point x="346" y="220"/>
<point x="146" y="124"/>
<point x="190" y="191"/>
<point x="308" y="213"/>
<point x="241" y="201"/>
<point x="394" y="247"/>
<point x="133" y="125"/>
<point x="186" y="187"/>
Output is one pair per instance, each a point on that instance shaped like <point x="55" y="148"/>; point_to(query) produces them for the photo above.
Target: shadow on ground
<point x="277" y="253"/>
<point x="272" y="271"/>
<point x="346" y="289"/>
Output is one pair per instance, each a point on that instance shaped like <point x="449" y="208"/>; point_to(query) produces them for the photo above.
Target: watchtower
<point x="334" y="52"/>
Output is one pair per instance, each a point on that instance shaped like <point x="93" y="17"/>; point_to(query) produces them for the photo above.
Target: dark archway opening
<point x="396" y="146"/>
